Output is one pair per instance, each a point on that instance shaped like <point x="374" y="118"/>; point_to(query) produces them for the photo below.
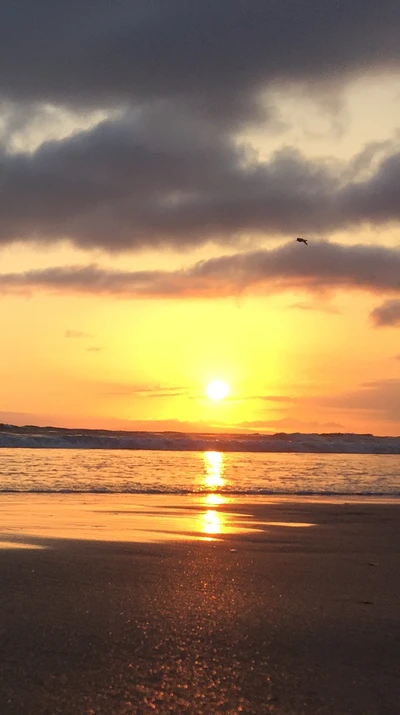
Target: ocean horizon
<point x="32" y="437"/>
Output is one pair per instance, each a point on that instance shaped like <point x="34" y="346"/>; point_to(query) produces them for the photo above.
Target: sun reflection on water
<point x="212" y="522"/>
<point x="214" y="466"/>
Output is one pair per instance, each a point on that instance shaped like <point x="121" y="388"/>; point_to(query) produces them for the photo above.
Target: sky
<point x="157" y="161"/>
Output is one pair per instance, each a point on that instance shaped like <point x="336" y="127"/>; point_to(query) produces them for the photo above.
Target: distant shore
<point x="33" y="437"/>
<point x="292" y="611"/>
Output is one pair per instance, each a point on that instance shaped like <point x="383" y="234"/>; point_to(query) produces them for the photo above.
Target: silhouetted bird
<point x="302" y="240"/>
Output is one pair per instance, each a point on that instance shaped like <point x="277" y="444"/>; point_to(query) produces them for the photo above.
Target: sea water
<point x="179" y="473"/>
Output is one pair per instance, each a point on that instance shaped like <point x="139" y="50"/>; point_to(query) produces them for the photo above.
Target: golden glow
<point x="214" y="465"/>
<point x="217" y="390"/>
<point x="213" y="499"/>
<point x="301" y="352"/>
<point x="211" y="522"/>
<point x="19" y="545"/>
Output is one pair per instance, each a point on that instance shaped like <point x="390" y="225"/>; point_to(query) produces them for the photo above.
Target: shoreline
<point x="279" y="620"/>
<point x="157" y="518"/>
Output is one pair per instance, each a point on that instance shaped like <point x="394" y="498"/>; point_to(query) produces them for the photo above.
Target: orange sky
<point x="135" y="341"/>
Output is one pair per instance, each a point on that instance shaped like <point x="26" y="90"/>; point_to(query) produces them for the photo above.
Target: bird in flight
<point x="302" y="240"/>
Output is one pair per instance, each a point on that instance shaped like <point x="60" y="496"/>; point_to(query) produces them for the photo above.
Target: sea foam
<point x="32" y="437"/>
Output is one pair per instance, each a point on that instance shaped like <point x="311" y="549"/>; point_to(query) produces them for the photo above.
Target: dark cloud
<point x="320" y="268"/>
<point x="216" y="55"/>
<point x="162" y="178"/>
<point x="183" y="73"/>
<point x="387" y="314"/>
<point x="77" y="334"/>
<point x="136" y="183"/>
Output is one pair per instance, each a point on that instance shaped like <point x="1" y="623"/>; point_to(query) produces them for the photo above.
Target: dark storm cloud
<point x="387" y="314"/>
<point x="162" y="178"/>
<point x="214" y="54"/>
<point x="321" y="268"/>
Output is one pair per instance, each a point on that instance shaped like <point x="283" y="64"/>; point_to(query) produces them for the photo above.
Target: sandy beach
<point x="256" y="618"/>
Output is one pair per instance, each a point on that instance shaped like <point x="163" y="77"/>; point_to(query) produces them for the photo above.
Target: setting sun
<point x="217" y="390"/>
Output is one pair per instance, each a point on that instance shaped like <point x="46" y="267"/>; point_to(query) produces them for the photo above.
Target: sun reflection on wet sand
<point x="214" y="499"/>
<point x="19" y="545"/>
<point x="212" y="522"/>
<point x="202" y="516"/>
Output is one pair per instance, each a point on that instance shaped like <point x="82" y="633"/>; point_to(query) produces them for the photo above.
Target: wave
<point x="31" y="437"/>
<point x="223" y="493"/>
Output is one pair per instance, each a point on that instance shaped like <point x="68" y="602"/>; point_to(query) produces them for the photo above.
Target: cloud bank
<point x="159" y="179"/>
<point x="321" y="268"/>
<point x="217" y="56"/>
<point x="379" y="397"/>
<point x="184" y="74"/>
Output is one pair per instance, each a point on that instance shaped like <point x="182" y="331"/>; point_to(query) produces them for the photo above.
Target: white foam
<point x="297" y="442"/>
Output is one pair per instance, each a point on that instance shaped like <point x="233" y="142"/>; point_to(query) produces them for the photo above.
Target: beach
<point x="288" y="606"/>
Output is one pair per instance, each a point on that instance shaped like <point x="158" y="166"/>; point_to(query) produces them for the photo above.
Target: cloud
<point x="115" y="424"/>
<point x="387" y="314"/>
<point x="275" y="398"/>
<point x="163" y="178"/>
<point x="324" y="308"/>
<point x="216" y="56"/>
<point x="139" y="390"/>
<point x="320" y="268"/>
<point x="77" y="334"/>
<point x="374" y="400"/>
<point x="16" y="118"/>
<point x="379" y="397"/>
<point x="156" y="179"/>
<point x="291" y="423"/>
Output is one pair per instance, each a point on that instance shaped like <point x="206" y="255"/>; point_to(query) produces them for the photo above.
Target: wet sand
<point x="263" y="619"/>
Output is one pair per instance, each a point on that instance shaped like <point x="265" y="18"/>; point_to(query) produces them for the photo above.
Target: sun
<point x="217" y="390"/>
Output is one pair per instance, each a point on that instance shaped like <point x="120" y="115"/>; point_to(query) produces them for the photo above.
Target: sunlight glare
<point x="212" y="522"/>
<point x="213" y="499"/>
<point x="214" y="464"/>
<point x="217" y="390"/>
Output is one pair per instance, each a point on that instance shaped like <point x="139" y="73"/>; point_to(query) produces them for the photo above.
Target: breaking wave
<point x="31" y="437"/>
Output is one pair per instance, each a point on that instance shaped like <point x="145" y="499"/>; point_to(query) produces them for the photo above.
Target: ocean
<point x="103" y="471"/>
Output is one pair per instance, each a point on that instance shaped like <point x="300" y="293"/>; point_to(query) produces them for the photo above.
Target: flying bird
<point x="302" y="240"/>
